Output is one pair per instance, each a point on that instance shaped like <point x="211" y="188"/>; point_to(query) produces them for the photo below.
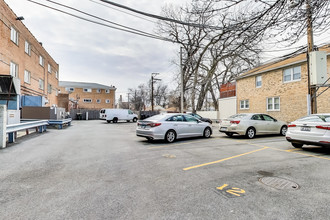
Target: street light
<point x="152" y="88"/>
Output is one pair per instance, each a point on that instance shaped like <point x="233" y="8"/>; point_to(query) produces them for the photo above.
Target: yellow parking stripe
<point x="218" y="161"/>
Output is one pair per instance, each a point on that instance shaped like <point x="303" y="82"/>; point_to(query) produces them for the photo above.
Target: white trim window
<point x="49" y="88"/>
<point x="87" y="90"/>
<point x="69" y="89"/>
<point x="41" y="84"/>
<point x="292" y="74"/>
<point x="98" y="101"/>
<point x="107" y="91"/>
<point x="273" y="104"/>
<point x="258" y="81"/>
<point x="14" y="35"/>
<point x="13" y="69"/>
<point x="244" y="104"/>
<point x="41" y="60"/>
<point x="87" y="100"/>
<point x="49" y="68"/>
<point x="27" y="76"/>
<point x="98" y="90"/>
<point x="107" y="101"/>
<point x="56" y="74"/>
<point x="27" y="48"/>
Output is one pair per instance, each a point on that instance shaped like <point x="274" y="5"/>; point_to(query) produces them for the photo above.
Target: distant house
<point x="227" y="101"/>
<point x="24" y="57"/>
<point x="85" y="95"/>
<point x="280" y="88"/>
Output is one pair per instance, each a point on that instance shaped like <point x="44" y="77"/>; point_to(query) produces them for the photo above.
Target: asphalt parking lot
<point x="96" y="170"/>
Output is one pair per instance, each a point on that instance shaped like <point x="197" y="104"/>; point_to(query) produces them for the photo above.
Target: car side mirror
<point x="275" y="120"/>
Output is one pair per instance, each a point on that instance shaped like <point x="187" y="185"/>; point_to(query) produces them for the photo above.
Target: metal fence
<point x="80" y="114"/>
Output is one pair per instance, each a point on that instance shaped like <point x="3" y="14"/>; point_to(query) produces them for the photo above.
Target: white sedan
<point x="172" y="126"/>
<point x="310" y="130"/>
<point x="252" y="124"/>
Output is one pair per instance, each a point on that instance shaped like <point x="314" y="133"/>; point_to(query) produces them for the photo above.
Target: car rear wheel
<point x="250" y="133"/>
<point x="170" y="136"/>
<point x="134" y="119"/>
<point x="207" y="132"/>
<point x="229" y="134"/>
<point x="115" y="120"/>
<point x="296" y="145"/>
<point x="283" y="131"/>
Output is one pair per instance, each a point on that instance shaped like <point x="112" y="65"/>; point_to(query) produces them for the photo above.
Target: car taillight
<point x="105" y="115"/>
<point x="292" y="125"/>
<point x="235" y="122"/>
<point x="323" y="127"/>
<point x="154" y="124"/>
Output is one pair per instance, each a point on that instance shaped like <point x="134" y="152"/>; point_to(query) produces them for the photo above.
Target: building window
<point x="107" y="91"/>
<point x="258" y="81"/>
<point x="273" y="104"/>
<point x="57" y="91"/>
<point x="98" y="90"/>
<point x="244" y="104"/>
<point x="14" y="35"/>
<point x="41" y="84"/>
<point x="56" y="74"/>
<point x="27" y="48"/>
<point x="70" y="89"/>
<point x="107" y="101"/>
<point x="98" y="100"/>
<point x="27" y="76"/>
<point x="292" y="74"/>
<point x="87" y="100"/>
<point x="49" y="88"/>
<point x="87" y="90"/>
<point x="13" y="69"/>
<point x="41" y="60"/>
<point x="49" y="68"/>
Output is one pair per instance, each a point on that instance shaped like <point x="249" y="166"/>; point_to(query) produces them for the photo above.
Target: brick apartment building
<point x="280" y="89"/>
<point x="87" y="95"/>
<point x="23" y="57"/>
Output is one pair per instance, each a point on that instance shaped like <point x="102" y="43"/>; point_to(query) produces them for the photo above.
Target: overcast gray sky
<point x="88" y="52"/>
<point x="91" y="53"/>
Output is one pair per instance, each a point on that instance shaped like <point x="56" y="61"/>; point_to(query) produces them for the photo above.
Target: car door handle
<point x="175" y="125"/>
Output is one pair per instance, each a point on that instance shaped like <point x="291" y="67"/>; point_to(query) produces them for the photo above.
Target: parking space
<point x="104" y="171"/>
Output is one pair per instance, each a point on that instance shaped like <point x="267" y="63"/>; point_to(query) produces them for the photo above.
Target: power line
<point x="122" y="11"/>
<point x="145" y="34"/>
<point x="160" y="17"/>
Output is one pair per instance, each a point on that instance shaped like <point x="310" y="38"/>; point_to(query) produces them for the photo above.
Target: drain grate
<point x="278" y="183"/>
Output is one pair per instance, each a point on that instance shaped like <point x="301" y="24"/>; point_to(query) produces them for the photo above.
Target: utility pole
<point x="181" y="73"/>
<point x="152" y="89"/>
<point x="128" y="99"/>
<point x="310" y="48"/>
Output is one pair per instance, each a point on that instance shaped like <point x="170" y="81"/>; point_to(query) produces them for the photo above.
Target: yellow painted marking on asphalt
<point x="228" y="158"/>
<point x="179" y="144"/>
<point x="294" y="149"/>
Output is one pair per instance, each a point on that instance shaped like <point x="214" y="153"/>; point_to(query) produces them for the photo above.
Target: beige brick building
<point x="88" y="95"/>
<point x="23" y="56"/>
<point x="280" y="89"/>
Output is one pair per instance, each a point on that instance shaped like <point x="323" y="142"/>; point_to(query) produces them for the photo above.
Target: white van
<point x="114" y="115"/>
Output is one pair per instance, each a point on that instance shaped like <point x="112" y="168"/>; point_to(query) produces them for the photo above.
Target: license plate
<point x="305" y="129"/>
<point x="143" y="126"/>
<point x="223" y="129"/>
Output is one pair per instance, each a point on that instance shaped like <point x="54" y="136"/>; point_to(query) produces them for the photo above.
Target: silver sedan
<point x="252" y="124"/>
<point x="310" y="130"/>
<point x="172" y="126"/>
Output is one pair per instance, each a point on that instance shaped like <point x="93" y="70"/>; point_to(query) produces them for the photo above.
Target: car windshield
<point x="155" y="118"/>
<point x="315" y="118"/>
<point x="195" y="115"/>
<point x="237" y="116"/>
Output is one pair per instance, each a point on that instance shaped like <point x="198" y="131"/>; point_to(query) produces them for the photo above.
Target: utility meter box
<point x="318" y="67"/>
